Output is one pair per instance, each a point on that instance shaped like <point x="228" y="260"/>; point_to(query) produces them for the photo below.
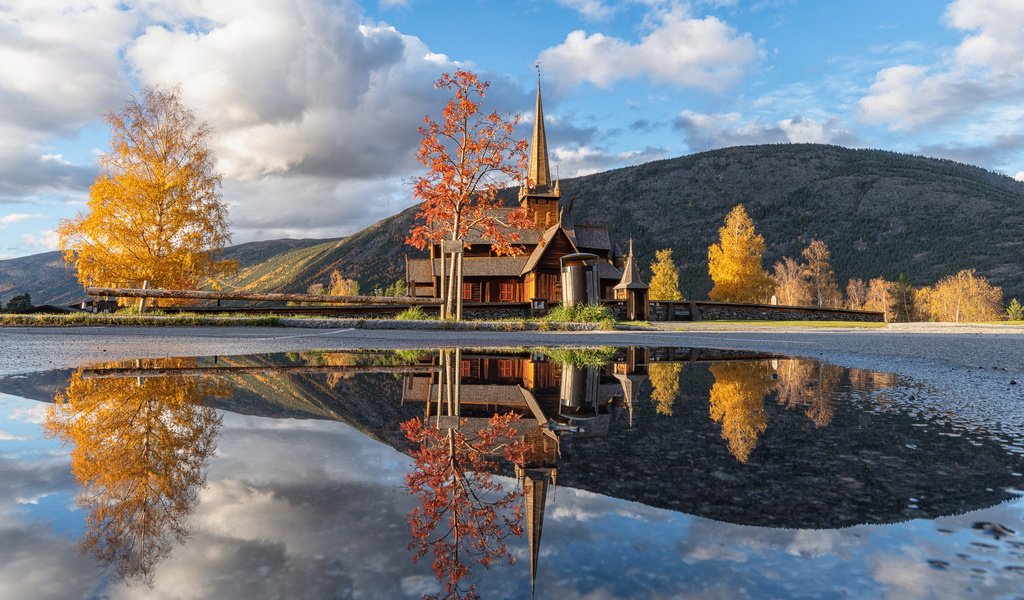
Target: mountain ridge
<point x="881" y="213"/>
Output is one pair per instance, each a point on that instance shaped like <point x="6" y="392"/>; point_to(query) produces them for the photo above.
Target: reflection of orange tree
<point x="809" y="383"/>
<point x="665" y="385"/>
<point x="140" y="450"/>
<point x="464" y="516"/>
<point x="737" y="402"/>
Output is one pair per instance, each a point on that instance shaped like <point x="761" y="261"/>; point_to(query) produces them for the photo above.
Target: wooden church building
<point x="535" y="272"/>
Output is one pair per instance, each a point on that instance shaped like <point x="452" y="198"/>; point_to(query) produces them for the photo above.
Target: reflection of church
<point x="552" y="398"/>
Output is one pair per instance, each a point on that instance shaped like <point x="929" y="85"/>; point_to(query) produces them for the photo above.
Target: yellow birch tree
<point x="734" y="263"/>
<point x="665" y="278"/>
<point x="155" y="213"/>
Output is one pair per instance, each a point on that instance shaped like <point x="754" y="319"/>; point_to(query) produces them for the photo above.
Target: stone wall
<point x="725" y="311"/>
<point x="618" y="308"/>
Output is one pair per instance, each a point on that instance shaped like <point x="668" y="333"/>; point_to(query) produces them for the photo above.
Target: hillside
<point x="881" y="213"/>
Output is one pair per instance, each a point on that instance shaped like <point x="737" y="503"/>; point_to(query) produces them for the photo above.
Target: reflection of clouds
<point x="313" y="509"/>
<point x="904" y="578"/>
<point x="34" y="413"/>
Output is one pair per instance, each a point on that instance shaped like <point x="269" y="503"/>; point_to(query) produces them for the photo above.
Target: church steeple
<point x="538" y="194"/>
<point x="540" y="170"/>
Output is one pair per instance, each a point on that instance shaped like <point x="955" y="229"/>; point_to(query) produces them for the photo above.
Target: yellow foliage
<point x="963" y="297"/>
<point x="665" y="383"/>
<point x="665" y="278"/>
<point x="156" y="212"/>
<point x="737" y="402"/>
<point x="140" y="448"/>
<point x="810" y="385"/>
<point x="734" y="263"/>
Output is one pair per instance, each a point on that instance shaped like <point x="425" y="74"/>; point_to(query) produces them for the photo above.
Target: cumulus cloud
<point x="984" y="69"/>
<point x="989" y="153"/>
<point x="591" y="9"/>
<point x="678" y="49"/>
<point x="709" y="131"/>
<point x="15" y="218"/>
<point x="1019" y="176"/>
<point x="575" y="161"/>
<point x="59" y="70"/>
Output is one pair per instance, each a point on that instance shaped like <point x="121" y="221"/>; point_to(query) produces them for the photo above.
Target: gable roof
<point x="542" y="247"/>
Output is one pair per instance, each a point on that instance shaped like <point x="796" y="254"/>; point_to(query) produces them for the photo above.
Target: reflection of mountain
<point x="830" y="454"/>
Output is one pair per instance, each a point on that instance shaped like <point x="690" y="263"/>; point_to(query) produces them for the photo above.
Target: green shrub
<point x="1015" y="312"/>
<point x="580" y="357"/>
<point x="413" y="313"/>
<point x="581" y="313"/>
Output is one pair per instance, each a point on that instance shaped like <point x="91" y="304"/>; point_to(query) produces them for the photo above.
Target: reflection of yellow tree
<point x="737" y="402"/>
<point x="665" y="383"/>
<point x="140" y="450"/>
<point x="810" y="384"/>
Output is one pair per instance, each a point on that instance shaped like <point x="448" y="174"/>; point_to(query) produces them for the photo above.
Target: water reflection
<point x="737" y="437"/>
<point x="140" y="447"/>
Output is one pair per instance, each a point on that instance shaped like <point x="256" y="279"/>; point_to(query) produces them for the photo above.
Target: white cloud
<point x="15" y="218"/>
<point x="40" y="241"/>
<point x="1019" y="176"/>
<point x="591" y="9"/>
<point x="575" y="161"/>
<point x="984" y="70"/>
<point x="10" y="437"/>
<point x="59" y="69"/>
<point x="679" y="49"/>
<point x="709" y="131"/>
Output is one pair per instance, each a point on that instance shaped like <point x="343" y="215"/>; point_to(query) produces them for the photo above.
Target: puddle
<point x="630" y="472"/>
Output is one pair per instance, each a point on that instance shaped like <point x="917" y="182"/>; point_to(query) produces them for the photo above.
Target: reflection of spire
<point x="535" y="486"/>
<point x="539" y="172"/>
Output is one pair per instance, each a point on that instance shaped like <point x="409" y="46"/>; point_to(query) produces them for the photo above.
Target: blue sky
<point x="316" y="102"/>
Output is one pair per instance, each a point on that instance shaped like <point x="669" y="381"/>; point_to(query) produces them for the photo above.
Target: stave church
<point x="535" y="272"/>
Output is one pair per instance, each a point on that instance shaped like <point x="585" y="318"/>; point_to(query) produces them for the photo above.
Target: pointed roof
<point x="536" y="490"/>
<point x="543" y="245"/>
<point x="540" y="171"/>
<point x="630" y="275"/>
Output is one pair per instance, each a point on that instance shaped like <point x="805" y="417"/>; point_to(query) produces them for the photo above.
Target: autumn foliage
<point x="665" y="277"/>
<point x="464" y="515"/>
<point x="737" y="402"/>
<point x="734" y="263"/>
<point x="469" y="157"/>
<point x="155" y="213"/>
<point x="140" y="448"/>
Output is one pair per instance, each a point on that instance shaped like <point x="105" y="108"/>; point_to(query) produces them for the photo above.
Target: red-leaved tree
<point x="469" y="157"/>
<point x="464" y="515"/>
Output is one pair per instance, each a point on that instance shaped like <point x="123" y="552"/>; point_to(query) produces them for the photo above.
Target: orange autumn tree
<point x="469" y="157"/>
<point x="155" y="213"/>
<point x="140" y="448"/>
<point x="737" y="402"/>
<point x="464" y="515"/>
<point x="734" y="263"/>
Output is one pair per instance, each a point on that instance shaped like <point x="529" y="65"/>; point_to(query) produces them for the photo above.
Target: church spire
<point x="540" y="171"/>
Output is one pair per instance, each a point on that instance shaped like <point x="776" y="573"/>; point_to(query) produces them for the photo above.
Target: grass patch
<point x="582" y="313"/>
<point x="413" y="313"/>
<point x="580" y="357"/>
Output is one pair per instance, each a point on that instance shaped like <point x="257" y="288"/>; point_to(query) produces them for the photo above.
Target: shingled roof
<point x="592" y="237"/>
<point x="477" y="266"/>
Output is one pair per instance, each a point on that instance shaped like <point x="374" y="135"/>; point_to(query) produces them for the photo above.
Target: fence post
<point x="142" y="300"/>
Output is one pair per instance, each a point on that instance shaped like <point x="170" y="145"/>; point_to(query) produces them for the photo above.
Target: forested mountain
<point x="881" y="213"/>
